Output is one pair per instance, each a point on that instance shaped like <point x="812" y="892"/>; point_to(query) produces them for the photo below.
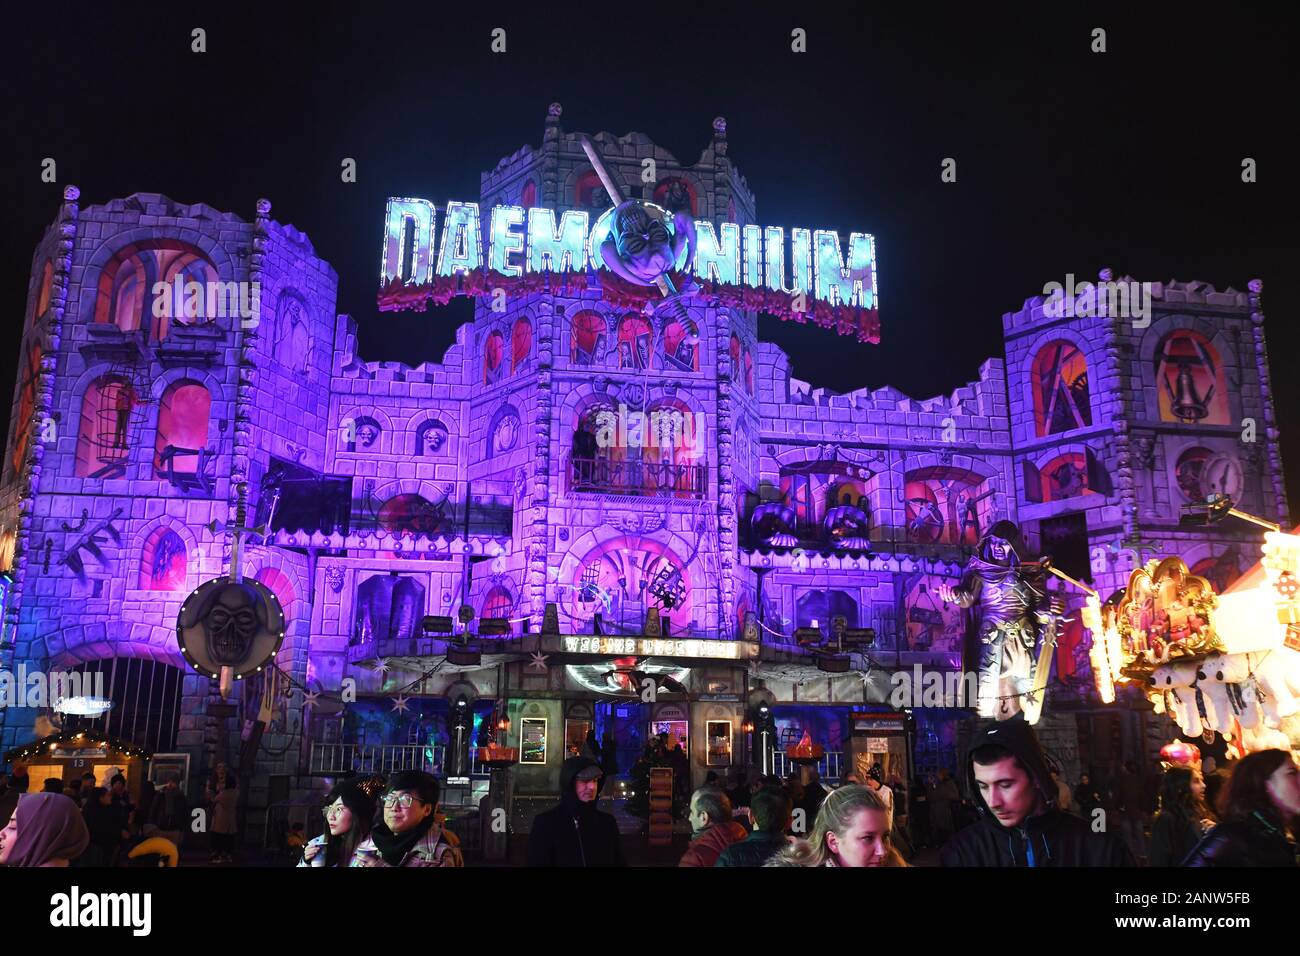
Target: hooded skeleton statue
<point x="1011" y="611"/>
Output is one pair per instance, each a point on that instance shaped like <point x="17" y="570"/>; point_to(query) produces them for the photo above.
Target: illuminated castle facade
<point x="132" y="432"/>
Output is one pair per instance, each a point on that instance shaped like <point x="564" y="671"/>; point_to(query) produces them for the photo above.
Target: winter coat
<point x="1251" y="842"/>
<point x="225" y="806"/>
<point x="1172" y="838"/>
<point x="170" y="810"/>
<point x="574" y="833"/>
<point x="755" y="850"/>
<point x="708" y="846"/>
<point x="1048" y="839"/>
<point x="433" y="849"/>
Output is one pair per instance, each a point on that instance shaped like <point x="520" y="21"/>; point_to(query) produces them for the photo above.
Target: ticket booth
<point x="66" y="756"/>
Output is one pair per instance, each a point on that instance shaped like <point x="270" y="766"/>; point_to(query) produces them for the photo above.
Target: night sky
<point x="1067" y="160"/>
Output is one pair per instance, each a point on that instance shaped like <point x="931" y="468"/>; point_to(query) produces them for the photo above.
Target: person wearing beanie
<point x="349" y="815"/>
<point x="1020" y="823"/>
<point x="46" y="829"/>
<point x="575" y="832"/>
<point x="409" y="834"/>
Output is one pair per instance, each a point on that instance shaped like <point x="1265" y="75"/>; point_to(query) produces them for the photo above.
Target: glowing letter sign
<point x="731" y="265"/>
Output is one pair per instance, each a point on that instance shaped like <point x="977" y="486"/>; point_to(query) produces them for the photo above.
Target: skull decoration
<point x="231" y="618"/>
<point x="366" y="434"/>
<point x="641" y="246"/>
<point x="433" y="438"/>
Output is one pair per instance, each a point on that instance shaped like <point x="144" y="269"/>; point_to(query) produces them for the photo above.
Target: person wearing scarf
<point x="47" y="829"/>
<point x="409" y="834"/>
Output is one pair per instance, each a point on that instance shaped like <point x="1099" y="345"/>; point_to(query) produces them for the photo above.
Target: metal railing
<point x="328" y="759"/>
<point x="601" y="475"/>
<point x="828" y="768"/>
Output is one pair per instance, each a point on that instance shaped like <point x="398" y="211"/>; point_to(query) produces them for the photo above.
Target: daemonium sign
<point x="638" y="255"/>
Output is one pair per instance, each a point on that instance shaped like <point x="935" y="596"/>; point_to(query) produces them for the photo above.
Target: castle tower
<point x="1131" y="401"/>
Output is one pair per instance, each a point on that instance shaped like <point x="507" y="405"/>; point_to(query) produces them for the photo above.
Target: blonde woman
<point x="852" y="829"/>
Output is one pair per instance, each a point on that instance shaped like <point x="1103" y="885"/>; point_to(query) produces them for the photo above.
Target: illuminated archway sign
<point x="532" y="250"/>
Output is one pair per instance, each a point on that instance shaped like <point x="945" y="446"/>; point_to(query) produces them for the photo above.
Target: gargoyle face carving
<point x="434" y="438"/>
<point x="366" y="435"/>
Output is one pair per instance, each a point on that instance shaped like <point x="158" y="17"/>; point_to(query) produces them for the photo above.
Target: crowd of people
<point x="1017" y="812"/>
<point x="80" y="823"/>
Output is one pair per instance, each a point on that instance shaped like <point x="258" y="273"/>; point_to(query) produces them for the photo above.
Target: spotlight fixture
<point x="493" y="626"/>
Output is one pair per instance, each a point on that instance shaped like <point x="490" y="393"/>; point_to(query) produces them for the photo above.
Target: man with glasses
<point x="409" y="834"/>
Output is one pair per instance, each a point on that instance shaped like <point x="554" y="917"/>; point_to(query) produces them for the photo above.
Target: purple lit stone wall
<point x="292" y="401"/>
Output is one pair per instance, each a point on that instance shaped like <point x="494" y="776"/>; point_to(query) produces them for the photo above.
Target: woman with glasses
<point x="409" y="834"/>
<point x="349" y="813"/>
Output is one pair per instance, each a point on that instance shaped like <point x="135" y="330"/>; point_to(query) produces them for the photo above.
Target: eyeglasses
<point x="403" y="800"/>
<point x="333" y="811"/>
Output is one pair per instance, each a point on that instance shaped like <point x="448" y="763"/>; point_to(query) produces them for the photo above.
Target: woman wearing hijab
<point x="46" y="829"/>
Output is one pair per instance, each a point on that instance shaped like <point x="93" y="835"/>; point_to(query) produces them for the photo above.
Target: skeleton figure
<point x="640" y="248"/>
<point x="1012" y="612"/>
<point x="231" y="618"/>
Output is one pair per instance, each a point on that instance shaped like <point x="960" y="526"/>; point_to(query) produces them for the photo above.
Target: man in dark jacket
<point x="1019" y="823"/>
<point x="771" y="809"/>
<point x="576" y="833"/>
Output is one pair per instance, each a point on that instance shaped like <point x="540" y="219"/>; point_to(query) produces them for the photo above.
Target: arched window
<point x="1065" y="476"/>
<point x="587" y="338"/>
<point x="1190" y="381"/>
<point x="681" y="350"/>
<point x="104" y="431"/>
<point x="497" y="603"/>
<point x="676" y="193"/>
<point x="408" y="515"/>
<point x="281" y="586"/>
<point x="31" y="375"/>
<point x="521" y="344"/>
<point x="1202" y="473"/>
<point x="589" y="194"/>
<point x="183" y="416"/>
<point x="634" y="342"/>
<point x="193" y="294"/>
<point x="529" y="197"/>
<point x="1059" y="378"/>
<point x="945" y="505"/>
<point x="163" y="562"/>
<point x="494" y="350"/>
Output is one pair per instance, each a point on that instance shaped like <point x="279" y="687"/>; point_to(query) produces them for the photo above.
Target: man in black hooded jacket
<point x="576" y="833"/>
<point x="1019" y="823"/>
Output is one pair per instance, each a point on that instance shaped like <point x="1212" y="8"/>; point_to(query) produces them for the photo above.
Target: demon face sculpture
<point x="641" y="247"/>
<point x="231" y="619"/>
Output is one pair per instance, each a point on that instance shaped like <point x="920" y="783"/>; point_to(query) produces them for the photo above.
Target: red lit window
<point x="1059" y="379"/>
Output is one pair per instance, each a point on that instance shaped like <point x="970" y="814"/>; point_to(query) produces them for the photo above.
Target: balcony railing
<point x="636" y="477"/>
<point x="331" y="759"/>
